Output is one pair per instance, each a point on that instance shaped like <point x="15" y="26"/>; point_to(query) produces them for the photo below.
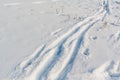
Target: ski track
<point x="12" y="4"/>
<point x="56" y="32"/>
<point x="21" y="3"/>
<point x="54" y="61"/>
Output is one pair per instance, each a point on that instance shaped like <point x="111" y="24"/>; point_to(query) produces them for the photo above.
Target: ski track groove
<point x="46" y="60"/>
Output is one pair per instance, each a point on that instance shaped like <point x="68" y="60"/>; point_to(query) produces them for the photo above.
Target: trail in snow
<point x="56" y="32"/>
<point x="54" y="61"/>
<point x="21" y="3"/>
<point x="12" y="4"/>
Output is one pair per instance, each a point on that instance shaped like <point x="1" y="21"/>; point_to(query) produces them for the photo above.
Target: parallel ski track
<point x="54" y="61"/>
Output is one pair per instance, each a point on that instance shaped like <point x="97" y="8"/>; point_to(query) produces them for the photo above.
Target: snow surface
<point x="60" y="40"/>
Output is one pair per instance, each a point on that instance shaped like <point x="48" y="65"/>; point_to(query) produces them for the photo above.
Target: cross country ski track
<point x="55" y="60"/>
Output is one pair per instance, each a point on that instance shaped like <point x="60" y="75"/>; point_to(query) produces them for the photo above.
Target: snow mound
<point x="108" y="71"/>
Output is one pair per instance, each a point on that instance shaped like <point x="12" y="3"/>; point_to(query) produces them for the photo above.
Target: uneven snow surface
<point x="60" y="40"/>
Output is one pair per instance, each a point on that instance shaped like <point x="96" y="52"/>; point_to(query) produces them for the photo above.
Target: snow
<point x="60" y="40"/>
